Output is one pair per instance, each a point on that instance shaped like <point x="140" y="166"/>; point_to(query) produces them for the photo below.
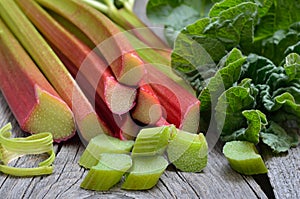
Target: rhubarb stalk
<point x="124" y="61"/>
<point x="181" y="107"/>
<point x="91" y="66"/>
<point x="85" y="116"/>
<point x="35" y="104"/>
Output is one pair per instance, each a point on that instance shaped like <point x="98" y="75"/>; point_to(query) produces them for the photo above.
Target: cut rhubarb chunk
<point x="126" y="65"/>
<point x="92" y="69"/>
<point x="181" y="107"/>
<point x="152" y="141"/>
<point x="188" y="152"/>
<point x="144" y="173"/>
<point x="244" y="158"/>
<point x="107" y="172"/>
<point x="103" y="144"/>
<point x="35" y="104"/>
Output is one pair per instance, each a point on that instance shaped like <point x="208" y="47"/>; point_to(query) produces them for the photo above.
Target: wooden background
<point x="217" y="180"/>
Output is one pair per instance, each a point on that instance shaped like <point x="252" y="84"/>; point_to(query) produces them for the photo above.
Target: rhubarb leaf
<point x="278" y="139"/>
<point x="229" y="109"/>
<point x="256" y="121"/>
<point x="176" y="14"/>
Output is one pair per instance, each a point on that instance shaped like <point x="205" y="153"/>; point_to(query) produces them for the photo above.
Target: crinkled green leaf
<point x="206" y="41"/>
<point x="275" y="45"/>
<point x="176" y="14"/>
<point x="229" y="109"/>
<point x="278" y="139"/>
<point x="263" y="6"/>
<point x="226" y="76"/>
<point x="292" y="66"/>
<point x="256" y="121"/>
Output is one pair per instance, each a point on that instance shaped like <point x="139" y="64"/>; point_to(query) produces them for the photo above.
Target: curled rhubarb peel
<point x="11" y="148"/>
<point x="87" y="121"/>
<point x="125" y="63"/>
<point x="91" y="67"/>
<point x="35" y="104"/>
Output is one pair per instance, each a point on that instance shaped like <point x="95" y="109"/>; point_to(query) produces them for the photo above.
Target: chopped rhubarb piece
<point x="35" y="104"/>
<point x="125" y="63"/>
<point x="181" y="107"/>
<point x="90" y="65"/>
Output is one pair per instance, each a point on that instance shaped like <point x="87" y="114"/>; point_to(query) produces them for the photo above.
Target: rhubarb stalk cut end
<point x="133" y="69"/>
<point x="50" y="115"/>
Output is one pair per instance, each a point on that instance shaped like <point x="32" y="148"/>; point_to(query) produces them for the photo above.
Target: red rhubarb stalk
<point x="35" y="104"/>
<point x="181" y="107"/>
<point x="90" y="65"/>
<point x="85" y="116"/>
<point x="124" y="61"/>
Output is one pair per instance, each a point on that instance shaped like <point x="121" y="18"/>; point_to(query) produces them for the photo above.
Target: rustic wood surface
<point x="217" y="180"/>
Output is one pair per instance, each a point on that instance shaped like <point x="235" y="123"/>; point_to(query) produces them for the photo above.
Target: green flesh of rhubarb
<point x="49" y="115"/>
<point x="144" y="173"/>
<point x="188" y="152"/>
<point x="152" y="141"/>
<point x="103" y="144"/>
<point x="107" y="172"/>
<point x="244" y="158"/>
<point x="33" y="101"/>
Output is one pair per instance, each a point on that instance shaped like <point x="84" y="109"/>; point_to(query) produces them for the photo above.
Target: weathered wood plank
<point x="284" y="173"/>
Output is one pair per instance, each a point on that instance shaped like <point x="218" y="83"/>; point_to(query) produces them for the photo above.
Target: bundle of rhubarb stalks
<point x="88" y="67"/>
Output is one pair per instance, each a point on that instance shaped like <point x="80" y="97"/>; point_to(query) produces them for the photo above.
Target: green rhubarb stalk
<point x="103" y="144"/>
<point x="91" y="67"/>
<point x="188" y="152"/>
<point x="120" y="55"/>
<point x="11" y="148"/>
<point x="144" y="173"/>
<point x="87" y="121"/>
<point x="125" y="18"/>
<point x="108" y="172"/>
<point x="35" y="104"/>
<point x="243" y="157"/>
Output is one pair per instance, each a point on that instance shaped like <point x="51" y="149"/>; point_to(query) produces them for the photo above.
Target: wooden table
<point x="217" y="180"/>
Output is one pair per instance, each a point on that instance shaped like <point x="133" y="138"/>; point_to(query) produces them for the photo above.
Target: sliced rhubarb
<point x="103" y="144"/>
<point x="35" y="104"/>
<point x="147" y="109"/>
<point x="243" y="157"/>
<point x="188" y="152"/>
<point x="144" y="173"/>
<point x="125" y="63"/>
<point x="152" y="141"/>
<point x="91" y="66"/>
<point x="86" y="118"/>
<point x="107" y="172"/>
<point x="181" y="107"/>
